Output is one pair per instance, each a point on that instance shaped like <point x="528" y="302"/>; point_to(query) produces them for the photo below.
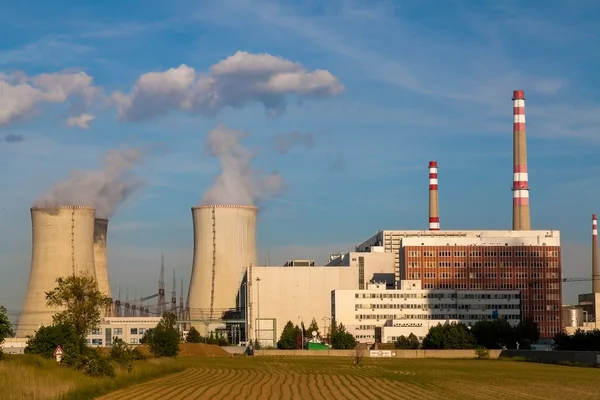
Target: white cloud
<point x="240" y="79"/>
<point x="82" y="121"/>
<point x="20" y="95"/>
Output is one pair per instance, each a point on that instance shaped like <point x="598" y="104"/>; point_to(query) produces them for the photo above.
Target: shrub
<point x="47" y="338"/>
<point x="482" y="352"/>
<point x="122" y="354"/>
<point x="164" y="340"/>
<point x="193" y="336"/>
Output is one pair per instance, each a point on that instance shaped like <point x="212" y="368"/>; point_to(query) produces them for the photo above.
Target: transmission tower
<point x="161" y="288"/>
<point x="181" y="310"/>
<point x="174" y="295"/>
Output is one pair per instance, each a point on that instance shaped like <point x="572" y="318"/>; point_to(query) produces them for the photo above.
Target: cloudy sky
<point x="331" y="111"/>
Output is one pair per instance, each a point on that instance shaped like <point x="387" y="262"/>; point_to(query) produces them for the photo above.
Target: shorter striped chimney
<point x="595" y="264"/>
<point x="434" y="212"/>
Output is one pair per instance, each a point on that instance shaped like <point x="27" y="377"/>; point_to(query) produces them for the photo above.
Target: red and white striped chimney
<point x="434" y="211"/>
<point x="595" y="264"/>
<point x="521" y="213"/>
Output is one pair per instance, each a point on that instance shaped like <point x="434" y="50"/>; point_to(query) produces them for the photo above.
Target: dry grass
<point x="34" y="378"/>
<point x="337" y="378"/>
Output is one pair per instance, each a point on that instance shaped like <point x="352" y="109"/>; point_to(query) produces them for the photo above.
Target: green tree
<point x="80" y="301"/>
<point x="164" y="340"/>
<point x="5" y="327"/>
<point x="122" y="354"/>
<point x="289" y="337"/>
<point x="413" y="342"/>
<point x="313" y="327"/>
<point x="495" y="334"/>
<point x="401" y="342"/>
<point x="193" y="336"/>
<point x="449" y="336"/>
<point x="47" y="338"/>
<point x="221" y="339"/>
<point x="340" y="338"/>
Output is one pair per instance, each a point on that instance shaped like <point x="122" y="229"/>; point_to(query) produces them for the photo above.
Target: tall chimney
<point x="595" y="264"/>
<point x="521" y="215"/>
<point x="434" y="212"/>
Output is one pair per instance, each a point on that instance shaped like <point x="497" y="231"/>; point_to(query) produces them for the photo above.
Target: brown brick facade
<point x="534" y="270"/>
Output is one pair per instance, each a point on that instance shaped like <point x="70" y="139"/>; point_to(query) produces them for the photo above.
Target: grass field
<point x="337" y="378"/>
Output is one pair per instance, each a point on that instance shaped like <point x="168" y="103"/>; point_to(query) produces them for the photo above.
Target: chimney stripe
<point x="434" y="218"/>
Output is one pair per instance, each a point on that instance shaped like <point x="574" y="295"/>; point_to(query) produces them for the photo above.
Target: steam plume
<point x="103" y="189"/>
<point x="237" y="183"/>
<point x="285" y="141"/>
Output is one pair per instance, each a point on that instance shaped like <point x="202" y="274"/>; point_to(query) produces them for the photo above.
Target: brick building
<point x="529" y="261"/>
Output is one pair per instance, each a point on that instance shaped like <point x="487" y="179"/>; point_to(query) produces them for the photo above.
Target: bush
<point x="122" y="354"/>
<point x="164" y="340"/>
<point x="193" y="336"/>
<point x="47" y="338"/>
<point x="91" y="362"/>
<point x="482" y="352"/>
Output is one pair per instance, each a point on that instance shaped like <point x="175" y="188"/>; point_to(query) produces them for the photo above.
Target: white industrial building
<point x="277" y="295"/>
<point x="129" y="329"/>
<point x="411" y="309"/>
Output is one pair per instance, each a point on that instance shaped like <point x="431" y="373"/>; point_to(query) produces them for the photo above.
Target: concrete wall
<point x="590" y="358"/>
<point x="366" y="353"/>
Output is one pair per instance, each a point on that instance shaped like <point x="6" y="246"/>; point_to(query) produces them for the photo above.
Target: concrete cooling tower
<point x="61" y="245"/>
<point x="100" y="231"/>
<point x="224" y="245"/>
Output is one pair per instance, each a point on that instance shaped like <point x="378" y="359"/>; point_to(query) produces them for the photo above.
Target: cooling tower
<point x="61" y="245"/>
<point x="224" y="245"/>
<point x="100" y="232"/>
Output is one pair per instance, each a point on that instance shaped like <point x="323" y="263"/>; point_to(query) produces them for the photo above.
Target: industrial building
<point x="62" y="245"/>
<point x="280" y="294"/>
<point x="378" y="314"/>
<point x="128" y="329"/>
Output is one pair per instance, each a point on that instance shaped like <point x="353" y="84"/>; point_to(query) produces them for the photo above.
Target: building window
<point x="535" y="254"/>
<point x="445" y="253"/>
<point x="96" y="342"/>
<point x="489" y="254"/>
<point x="414" y="275"/>
<point x="96" y="331"/>
<point x="414" y="264"/>
<point x="118" y="331"/>
<point x="475" y="254"/>
<point x="489" y="264"/>
<point x="134" y="331"/>
<point x="361" y="273"/>
<point x="475" y="265"/>
<point x="460" y="264"/>
<point x="414" y="253"/>
<point x="428" y="254"/>
<point x="134" y="341"/>
<point x="459" y="254"/>
<point x="520" y="254"/>
<point x="445" y="264"/>
<point x="552" y="253"/>
<point x="506" y="254"/>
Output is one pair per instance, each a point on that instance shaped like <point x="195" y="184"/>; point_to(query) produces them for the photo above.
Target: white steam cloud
<point x="103" y="189"/>
<point x="237" y="183"/>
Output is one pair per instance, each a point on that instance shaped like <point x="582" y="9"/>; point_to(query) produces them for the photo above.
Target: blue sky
<point x="422" y="80"/>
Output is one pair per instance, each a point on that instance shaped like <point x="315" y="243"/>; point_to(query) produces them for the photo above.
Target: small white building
<point x="412" y="309"/>
<point x="129" y="329"/>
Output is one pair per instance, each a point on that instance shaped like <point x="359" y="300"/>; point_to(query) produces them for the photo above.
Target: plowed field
<point x="334" y="378"/>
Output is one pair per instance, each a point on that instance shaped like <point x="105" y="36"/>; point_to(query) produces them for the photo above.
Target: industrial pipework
<point x="224" y="245"/>
<point x="61" y="245"/>
<point x="521" y="212"/>
<point x="100" y="234"/>
<point x="595" y="264"/>
<point x="434" y="211"/>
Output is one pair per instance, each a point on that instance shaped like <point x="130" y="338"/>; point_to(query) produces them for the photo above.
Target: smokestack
<point x="224" y="245"/>
<point x="595" y="264"/>
<point x="61" y="245"/>
<point x="100" y="232"/>
<point x="434" y="212"/>
<point x="521" y="215"/>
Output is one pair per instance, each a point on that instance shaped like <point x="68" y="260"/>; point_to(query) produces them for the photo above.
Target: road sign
<point x="58" y="351"/>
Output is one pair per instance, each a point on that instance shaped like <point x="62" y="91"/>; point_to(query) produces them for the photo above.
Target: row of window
<point x="486" y="253"/>
<point x="402" y="306"/>
<point x="486" y="264"/>
<point x="442" y="317"/>
<point x="478" y="275"/>
<point x="489" y="285"/>
<point x="119" y="331"/>
<point x="98" y="342"/>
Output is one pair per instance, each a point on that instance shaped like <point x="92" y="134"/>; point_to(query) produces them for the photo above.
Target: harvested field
<point x="337" y="378"/>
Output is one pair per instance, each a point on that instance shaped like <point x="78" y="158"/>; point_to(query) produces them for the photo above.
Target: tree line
<point x="292" y="336"/>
